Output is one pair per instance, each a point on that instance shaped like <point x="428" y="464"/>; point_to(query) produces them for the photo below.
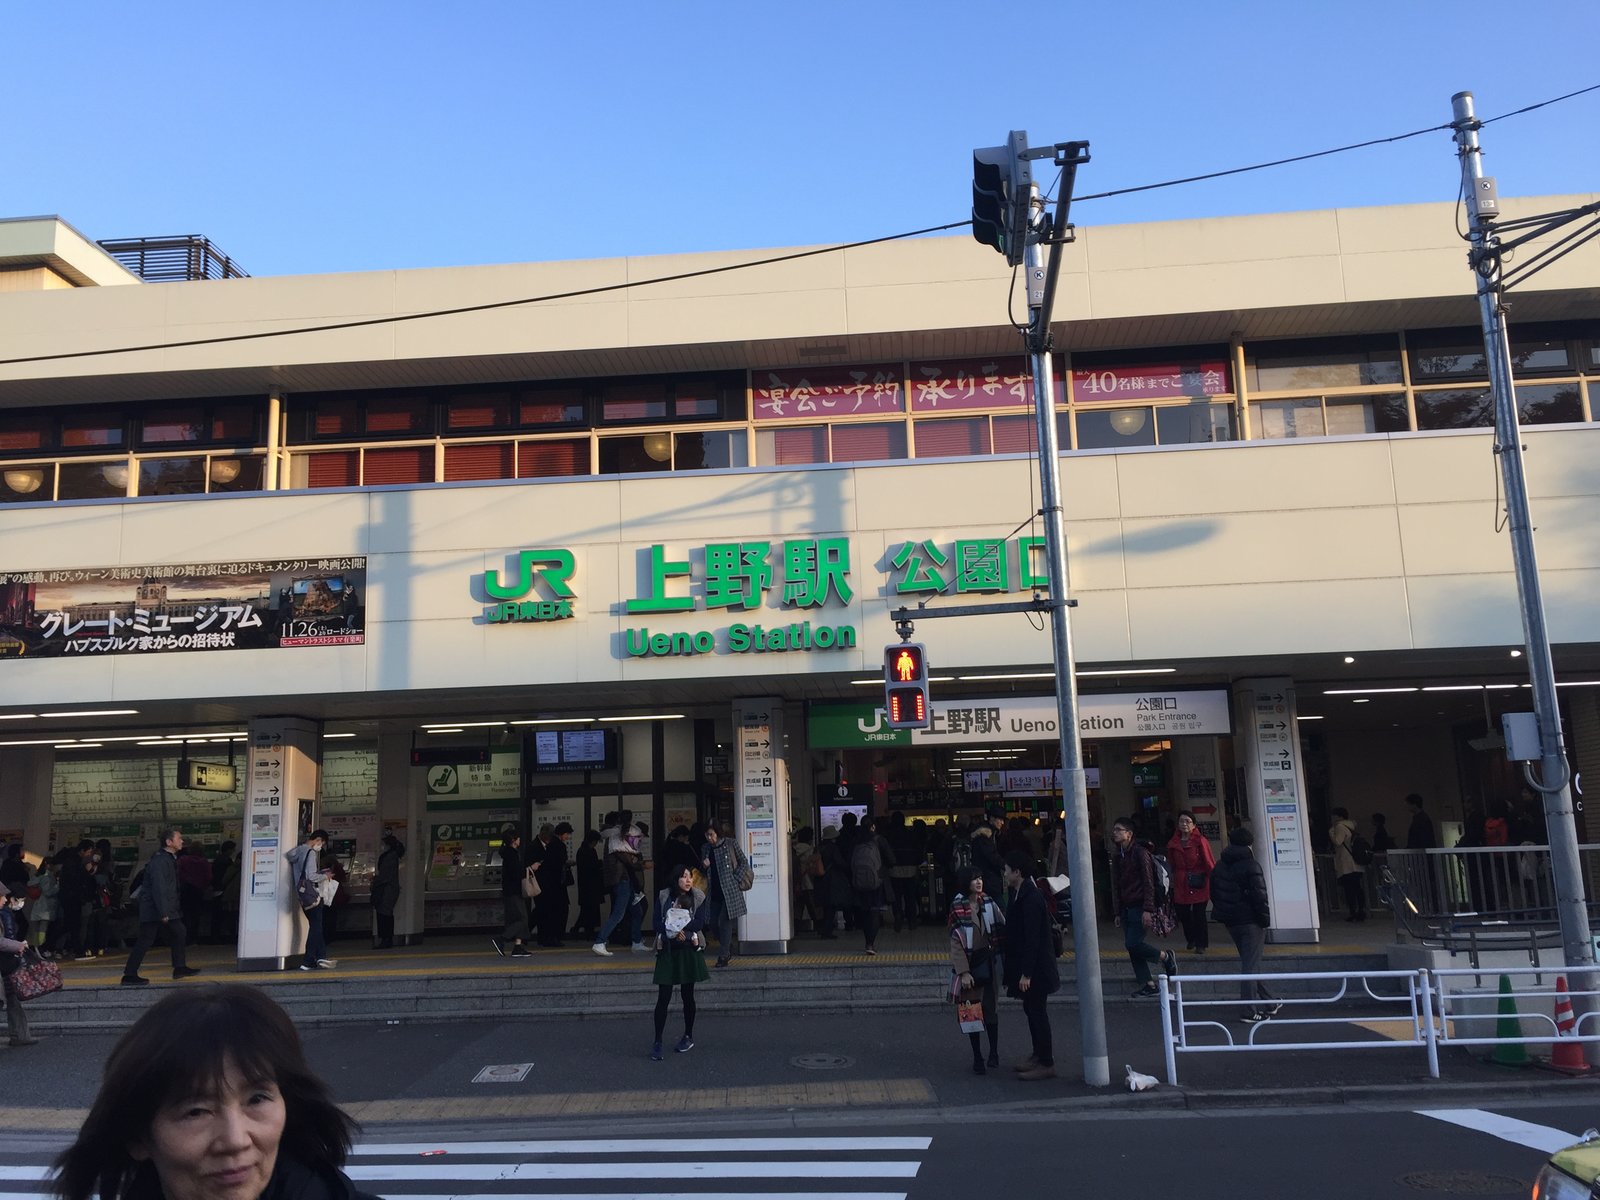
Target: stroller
<point x="1057" y="891"/>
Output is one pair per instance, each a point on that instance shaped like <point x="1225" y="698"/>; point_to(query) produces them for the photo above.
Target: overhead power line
<point x="579" y="293"/>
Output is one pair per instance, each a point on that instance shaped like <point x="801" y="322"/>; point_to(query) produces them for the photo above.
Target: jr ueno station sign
<point x="783" y="591"/>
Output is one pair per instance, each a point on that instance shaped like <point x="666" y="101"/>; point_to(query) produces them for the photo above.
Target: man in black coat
<point x="1239" y="901"/>
<point x="158" y="910"/>
<point x="1030" y="964"/>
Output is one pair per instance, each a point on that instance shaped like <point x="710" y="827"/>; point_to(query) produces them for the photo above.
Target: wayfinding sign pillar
<point x="1268" y="752"/>
<point x="762" y="822"/>
<point x="281" y="788"/>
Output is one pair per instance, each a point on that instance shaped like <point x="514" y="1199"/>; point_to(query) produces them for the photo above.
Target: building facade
<point x="469" y="556"/>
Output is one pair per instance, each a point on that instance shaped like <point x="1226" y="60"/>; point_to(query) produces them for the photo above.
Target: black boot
<point x="977" y="1055"/>
<point x="992" y="1028"/>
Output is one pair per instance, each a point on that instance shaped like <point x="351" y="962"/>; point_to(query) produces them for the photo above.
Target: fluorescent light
<point x="1349" y="658"/>
<point x="465" y="725"/>
<point x="646" y="717"/>
<point x="557" y="721"/>
<point x="1472" y="687"/>
<point x="77" y="745"/>
<point x="1576" y="683"/>
<point x="337" y="735"/>
<point x="17" y="717"/>
<point x="1132" y="671"/>
<point x="1366" y="691"/>
<point x="1303" y="718"/>
<point x="138" y="737"/>
<point x="1018" y="675"/>
<point x="1516" y="654"/>
<point x="104" y="712"/>
<point x="1361" y="701"/>
<point x="445" y="729"/>
<point x="41" y="742"/>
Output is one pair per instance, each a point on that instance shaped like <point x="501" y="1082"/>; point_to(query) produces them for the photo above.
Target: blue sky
<point x="315" y="137"/>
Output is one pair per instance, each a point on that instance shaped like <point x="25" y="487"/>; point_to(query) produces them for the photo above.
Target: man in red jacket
<point x="1134" y="881"/>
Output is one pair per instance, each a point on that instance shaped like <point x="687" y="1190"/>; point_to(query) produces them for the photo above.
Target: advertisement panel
<point x="160" y="609"/>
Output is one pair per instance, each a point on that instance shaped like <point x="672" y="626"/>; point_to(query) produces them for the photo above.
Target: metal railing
<point x="1429" y="1008"/>
<point x="185" y="257"/>
<point x="1411" y="1005"/>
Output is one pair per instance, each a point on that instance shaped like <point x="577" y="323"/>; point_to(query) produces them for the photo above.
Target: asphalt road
<point x="965" y="1153"/>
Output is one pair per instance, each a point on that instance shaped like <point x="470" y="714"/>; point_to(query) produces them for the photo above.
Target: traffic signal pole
<point x="1554" y="782"/>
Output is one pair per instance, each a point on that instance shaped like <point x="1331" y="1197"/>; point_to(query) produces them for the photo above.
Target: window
<point x="1314" y="416"/>
<point x="163" y="425"/>
<point x="1463" y="408"/>
<point x="344" y="416"/>
<point x="869" y="442"/>
<point x="636" y="454"/>
<point x="1323" y="363"/>
<point x="952" y="438"/>
<point x="234" y="473"/>
<point x="337" y="468"/>
<point x="336" y="418"/>
<point x="92" y="481"/>
<point x="1115" y="429"/>
<point x="173" y="424"/>
<point x="1446" y="354"/>
<point x="1548" y="403"/>
<point x="401" y="464"/>
<point x="630" y="402"/>
<point x="26" y="432"/>
<point x="552" y="406"/>
<point x="398" y="414"/>
<point x="172" y="476"/>
<point x="539" y="460"/>
<point x="1183" y="424"/>
<point x="479" y="460"/>
<point x="23" y="482"/>
<point x="792" y="446"/>
<point x="84" y="431"/>
<point x="481" y="410"/>
<point x="1019" y="435"/>
<point x="710" y="450"/>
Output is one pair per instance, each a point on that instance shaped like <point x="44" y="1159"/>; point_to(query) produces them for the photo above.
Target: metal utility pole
<point x="1554" y="781"/>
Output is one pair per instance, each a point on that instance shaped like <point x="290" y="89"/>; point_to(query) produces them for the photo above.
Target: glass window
<point x="789" y="447"/>
<point x="644" y="400"/>
<point x="1184" y="424"/>
<point x="482" y="410"/>
<point x="1019" y="435"/>
<point x="538" y="460"/>
<point x="335" y="417"/>
<point x="1368" y="414"/>
<point x="479" y="460"/>
<point x="25" y="431"/>
<point x="336" y="468"/>
<point x="1287" y="418"/>
<point x="401" y="464"/>
<point x="87" y="431"/>
<point x="869" y="443"/>
<point x="551" y="406"/>
<point x="22" y="482"/>
<point x="165" y="425"/>
<point x="636" y="454"/>
<point x="1594" y="355"/>
<point x="1548" y="403"/>
<point x="1115" y="429"/>
<point x="234" y="473"/>
<point x="92" y="481"/>
<point x="172" y="476"/>
<point x="1462" y="408"/>
<point x="1327" y="362"/>
<point x="1446" y="354"/>
<point x="697" y="397"/>
<point x="952" y="438"/>
<point x="708" y="451"/>
<point x="235" y="423"/>
<point x="397" y="414"/>
<point x="1536" y="355"/>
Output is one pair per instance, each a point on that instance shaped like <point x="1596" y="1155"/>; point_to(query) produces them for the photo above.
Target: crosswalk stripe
<point x="1509" y="1129"/>
<point x="697" y="1145"/>
<point x="632" y="1170"/>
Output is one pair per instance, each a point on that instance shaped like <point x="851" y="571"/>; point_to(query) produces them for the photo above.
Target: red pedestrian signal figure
<point x="905" y="675"/>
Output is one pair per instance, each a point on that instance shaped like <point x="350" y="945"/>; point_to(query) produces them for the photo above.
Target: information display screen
<point x="575" y="750"/>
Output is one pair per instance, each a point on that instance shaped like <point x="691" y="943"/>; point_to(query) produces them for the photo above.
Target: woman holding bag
<point x="1189" y="855"/>
<point x="977" y="927"/>
<point x="680" y="954"/>
<point x="12" y="948"/>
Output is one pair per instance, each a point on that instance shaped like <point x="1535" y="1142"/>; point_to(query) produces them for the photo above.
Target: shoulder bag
<point x="306" y="888"/>
<point x="530" y="885"/>
<point x="747" y="874"/>
<point x="35" y="977"/>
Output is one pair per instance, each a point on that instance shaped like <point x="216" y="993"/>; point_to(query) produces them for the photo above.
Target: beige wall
<point x="1223" y="551"/>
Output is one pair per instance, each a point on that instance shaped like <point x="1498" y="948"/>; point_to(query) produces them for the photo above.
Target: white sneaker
<point x="640" y="948"/>
<point x="327" y="964"/>
<point x="601" y="949"/>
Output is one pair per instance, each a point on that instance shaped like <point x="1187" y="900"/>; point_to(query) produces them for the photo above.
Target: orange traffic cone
<point x="1566" y="1052"/>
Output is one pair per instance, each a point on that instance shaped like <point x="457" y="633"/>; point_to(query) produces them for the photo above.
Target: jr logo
<point x="553" y="568"/>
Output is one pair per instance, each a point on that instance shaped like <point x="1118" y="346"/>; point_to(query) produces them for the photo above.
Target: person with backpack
<point x="1138" y="903"/>
<point x="1352" y="878"/>
<point x="1239" y="900"/>
<point x="869" y="860"/>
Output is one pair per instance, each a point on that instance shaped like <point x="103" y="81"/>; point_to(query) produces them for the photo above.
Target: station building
<point x="429" y="551"/>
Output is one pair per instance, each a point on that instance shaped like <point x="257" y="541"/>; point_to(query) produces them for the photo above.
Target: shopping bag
<point x="34" y="978"/>
<point x="530" y="885"/>
<point x="969" y="1010"/>
<point x="327" y="888"/>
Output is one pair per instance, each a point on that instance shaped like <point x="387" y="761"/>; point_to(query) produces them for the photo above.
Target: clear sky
<point x="313" y="137"/>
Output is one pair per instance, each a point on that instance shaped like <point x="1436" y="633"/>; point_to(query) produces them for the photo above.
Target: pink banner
<point x="1151" y="381"/>
<point x="971" y="383"/>
<point x="790" y="395"/>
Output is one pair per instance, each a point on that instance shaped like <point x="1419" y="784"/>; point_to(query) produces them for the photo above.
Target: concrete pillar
<point x="26" y="776"/>
<point x="762" y="822"/>
<point x="402" y="806"/>
<point x="1267" y="749"/>
<point x="281" y="788"/>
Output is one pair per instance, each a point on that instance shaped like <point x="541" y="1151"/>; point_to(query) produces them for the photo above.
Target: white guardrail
<point x="1422" y="1008"/>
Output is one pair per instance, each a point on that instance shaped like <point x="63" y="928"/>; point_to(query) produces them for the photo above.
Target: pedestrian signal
<point x="905" y="677"/>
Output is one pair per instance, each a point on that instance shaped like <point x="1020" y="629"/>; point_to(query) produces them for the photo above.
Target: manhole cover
<point x="504" y="1073"/>
<point x="823" y="1062"/>
<point x="1465" y="1183"/>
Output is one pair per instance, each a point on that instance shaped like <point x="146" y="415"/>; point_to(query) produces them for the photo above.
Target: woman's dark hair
<point x="1187" y="812"/>
<point x="591" y="837"/>
<point x="1341" y="814"/>
<point x="1020" y="861"/>
<point x="712" y="827"/>
<point x="964" y="878"/>
<point x="1239" y="835"/>
<point x="673" y="890"/>
<point x="180" y="1047"/>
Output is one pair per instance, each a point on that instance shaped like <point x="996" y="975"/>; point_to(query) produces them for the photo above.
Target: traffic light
<point x="905" y="681"/>
<point x="1002" y="196"/>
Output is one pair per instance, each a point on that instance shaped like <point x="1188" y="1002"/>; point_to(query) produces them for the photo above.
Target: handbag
<point x="969" y="1010"/>
<point x="980" y="964"/>
<point x="747" y="874"/>
<point x="306" y="888"/>
<point x="530" y="885"/>
<point x="35" y="977"/>
<point x="1162" y="921"/>
<point x="1195" y="879"/>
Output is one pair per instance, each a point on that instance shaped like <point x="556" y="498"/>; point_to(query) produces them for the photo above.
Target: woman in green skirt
<point x="680" y="954"/>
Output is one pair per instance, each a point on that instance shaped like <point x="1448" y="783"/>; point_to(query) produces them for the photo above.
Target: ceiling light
<point x="466" y="725"/>
<point x="646" y="717"/>
<point x="17" y="717"/>
<point x="40" y="742"/>
<point x="1131" y="671"/>
<point x="1304" y="717"/>
<point x="77" y="745"/>
<point x="446" y="729"/>
<point x="1577" y="683"/>
<point x="138" y="737"/>
<point x="337" y="735"/>
<point x="658" y="446"/>
<point x="224" y="470"/>
<point x="1516" y="654"/>
<point x="1015" y="675"/>
<point x="104" y="712"/>
<point x="1349" y="658"/>
<point x="567" y="720"/>
<point x="1129" y="421"/>
<point x="1362" y="701"/>
<point x="25" y="480"/>
<point x="116" y="474"/>
<point x="1366" y="691"/>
